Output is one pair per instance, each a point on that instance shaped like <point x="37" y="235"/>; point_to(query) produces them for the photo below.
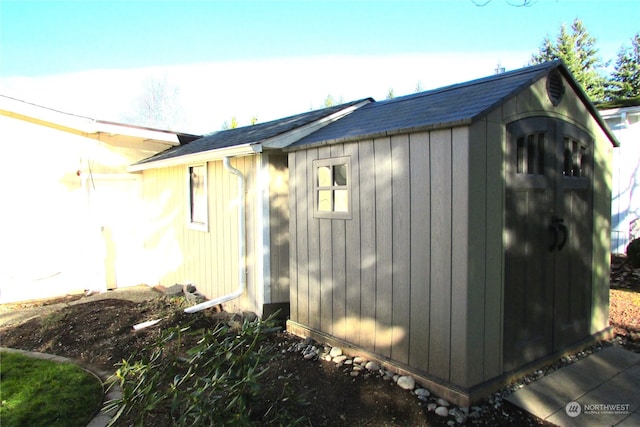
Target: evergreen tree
<point x="577" y="49"/>
<point x="625" y="79"/>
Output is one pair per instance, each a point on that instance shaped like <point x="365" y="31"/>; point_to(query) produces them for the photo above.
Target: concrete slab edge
<point x="110" y="389"/>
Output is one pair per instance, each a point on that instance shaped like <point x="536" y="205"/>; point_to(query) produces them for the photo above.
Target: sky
<point x="270" y="59"/>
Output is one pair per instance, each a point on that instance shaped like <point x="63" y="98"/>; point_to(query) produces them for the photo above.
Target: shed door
<point x="548" y="239"/>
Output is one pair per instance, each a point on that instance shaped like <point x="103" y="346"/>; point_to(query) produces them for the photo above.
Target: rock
<point x="348" y="362"/>
<point x="335" y="352"/>
<point x="372" y="366"/>
<point x="459" y="415"/>
<point x="249" y="316"/>
<point x="309" y="356"/>
<point x="328" y="358"/>
<point x="175" y="290"/>
<point x="443" y="411"/>
<point x="431" y="407"/>
<point x="442" y="402"/>
<point x="339" y="359"/>
<point x="354" y="373"/>
<point x="359" y="360"/>
<point x="406" y="382"/>
<point x="422" y="392"/>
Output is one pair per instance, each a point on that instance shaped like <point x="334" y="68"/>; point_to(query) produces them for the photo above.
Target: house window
<point x="331" y="188"/>
<point x="198" y="210"/>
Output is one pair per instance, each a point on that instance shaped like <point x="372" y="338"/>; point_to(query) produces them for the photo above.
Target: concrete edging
<point x="110" y="391"/>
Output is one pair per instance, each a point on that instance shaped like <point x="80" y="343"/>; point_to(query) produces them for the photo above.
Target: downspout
<point x="242" y="251"/>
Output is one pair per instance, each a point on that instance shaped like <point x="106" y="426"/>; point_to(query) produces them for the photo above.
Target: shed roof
<point x="248" y="135"/>
<point x="458" y="104"/>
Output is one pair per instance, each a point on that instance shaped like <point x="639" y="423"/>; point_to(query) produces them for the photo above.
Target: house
<point x="625" y="210"/>
<point x="460" y="235"/>
<point x="70" y="212"/>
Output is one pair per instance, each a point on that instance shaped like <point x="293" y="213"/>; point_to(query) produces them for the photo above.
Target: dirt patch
<point x="100" y="332"/>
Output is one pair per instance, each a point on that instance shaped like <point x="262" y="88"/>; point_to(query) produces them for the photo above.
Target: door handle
<point x="565" y="234"/>
<point x="557" y="227"/>
<point x="553" y="228"/>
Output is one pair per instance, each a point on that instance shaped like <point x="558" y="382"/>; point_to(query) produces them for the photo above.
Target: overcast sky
<point x="273" y="58"/>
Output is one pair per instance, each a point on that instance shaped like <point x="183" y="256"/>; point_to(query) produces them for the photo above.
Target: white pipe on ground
<point x="242" y="251"/>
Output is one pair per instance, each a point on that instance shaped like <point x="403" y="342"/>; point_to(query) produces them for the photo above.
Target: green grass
<point x="36" y="392"/>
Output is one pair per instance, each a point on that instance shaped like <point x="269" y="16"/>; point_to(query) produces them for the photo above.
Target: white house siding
<point x="625" y="197"/>
<point x="68" y="212"/>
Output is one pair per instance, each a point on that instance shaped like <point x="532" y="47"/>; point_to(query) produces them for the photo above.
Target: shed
<point x="461" y="234"/>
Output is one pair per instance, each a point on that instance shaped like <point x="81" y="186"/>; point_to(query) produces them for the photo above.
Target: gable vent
<point x="555" y="87"/>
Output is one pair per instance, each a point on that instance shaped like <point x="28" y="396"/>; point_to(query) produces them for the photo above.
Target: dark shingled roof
<point x="443" y="107"/>
<point x="248" y="134"/>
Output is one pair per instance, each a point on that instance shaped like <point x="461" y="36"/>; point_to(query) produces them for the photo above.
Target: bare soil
<point x="100" y="332"/>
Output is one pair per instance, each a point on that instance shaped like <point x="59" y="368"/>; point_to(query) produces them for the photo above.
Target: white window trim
<point x="199" y="226"/>
<point x="334" y="161"/>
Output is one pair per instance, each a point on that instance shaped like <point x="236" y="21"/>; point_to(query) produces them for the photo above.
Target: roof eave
<point x="288" y="138"/>
<point x="201" y="157"/>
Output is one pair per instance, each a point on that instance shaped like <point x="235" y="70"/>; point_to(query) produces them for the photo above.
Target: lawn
<point x="36" y="392"/>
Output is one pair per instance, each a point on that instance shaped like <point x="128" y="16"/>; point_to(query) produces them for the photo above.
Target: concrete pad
<point x="609" y="377"/>
<point x="632" y="420"/>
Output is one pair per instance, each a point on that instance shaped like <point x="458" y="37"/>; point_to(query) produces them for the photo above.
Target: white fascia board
<point x="80" y="124"/>
<point x="282" y="141"/>
<point x="201" y="157"/>
<point x="151" y="135"/>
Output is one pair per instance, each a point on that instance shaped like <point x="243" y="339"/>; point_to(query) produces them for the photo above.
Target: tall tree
<point x="578" y="51"/>
<point x="625" y="78"/>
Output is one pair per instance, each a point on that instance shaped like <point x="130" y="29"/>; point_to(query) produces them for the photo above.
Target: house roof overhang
<point x="200" y="157"/>
<point x="117" y="134"/>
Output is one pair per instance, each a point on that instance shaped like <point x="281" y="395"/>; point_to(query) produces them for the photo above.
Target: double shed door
<point x="549" y="220"/>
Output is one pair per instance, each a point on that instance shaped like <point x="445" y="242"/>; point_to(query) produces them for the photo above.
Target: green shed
<point x="460" y="235"/>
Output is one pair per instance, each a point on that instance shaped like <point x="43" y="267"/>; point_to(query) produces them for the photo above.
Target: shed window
<point x="530" y="154"/>
<point x="331" y="188"/>
<point x="198" y="209"/>
<point x="575" y="158"/>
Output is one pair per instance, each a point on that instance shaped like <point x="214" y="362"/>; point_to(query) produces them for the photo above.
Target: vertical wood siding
<point x="381" y="279"/>
<point x="209" y="260"/>
<point x="279" y="228"/>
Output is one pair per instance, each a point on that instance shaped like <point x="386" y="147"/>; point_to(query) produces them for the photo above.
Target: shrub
<point x="633" y="252"/>
<point x="213" y="383"/>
